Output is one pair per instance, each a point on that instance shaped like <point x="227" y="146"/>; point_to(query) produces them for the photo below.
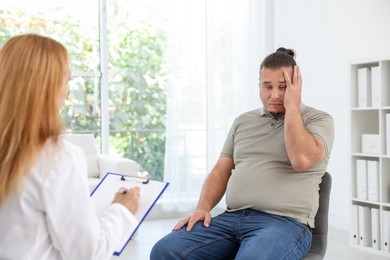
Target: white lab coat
<point x="52" y="217"/>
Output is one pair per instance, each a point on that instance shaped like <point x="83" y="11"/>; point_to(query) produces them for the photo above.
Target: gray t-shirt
<point x="263" y="178"/>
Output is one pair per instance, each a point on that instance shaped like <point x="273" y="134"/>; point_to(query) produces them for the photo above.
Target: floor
<point x="151" y="230"/>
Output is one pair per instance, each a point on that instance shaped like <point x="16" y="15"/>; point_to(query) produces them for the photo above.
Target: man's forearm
<point x="213" y="190"/>
<point x="303" y="149"/>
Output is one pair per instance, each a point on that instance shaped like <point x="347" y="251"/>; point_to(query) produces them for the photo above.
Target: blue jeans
<point x="245" y="234"/>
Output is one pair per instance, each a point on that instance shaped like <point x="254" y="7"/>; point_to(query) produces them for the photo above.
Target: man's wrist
<point x="293" y="109"/>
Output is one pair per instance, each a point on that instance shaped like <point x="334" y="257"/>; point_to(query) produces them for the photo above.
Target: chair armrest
<point x="116" y="164"/>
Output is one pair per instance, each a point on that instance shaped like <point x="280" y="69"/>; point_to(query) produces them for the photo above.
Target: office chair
<point x="320" y="232"/>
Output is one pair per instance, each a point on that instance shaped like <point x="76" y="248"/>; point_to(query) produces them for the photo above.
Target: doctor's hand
<point x="292" y="95"/>
<point x="196" y="216"/>
<point x="128" y="198"/>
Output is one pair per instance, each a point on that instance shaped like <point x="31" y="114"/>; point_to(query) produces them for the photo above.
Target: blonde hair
<point x="32" y="74"/>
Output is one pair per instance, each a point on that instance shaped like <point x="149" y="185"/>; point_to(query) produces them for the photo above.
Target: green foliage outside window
<point x="138" y="96"/>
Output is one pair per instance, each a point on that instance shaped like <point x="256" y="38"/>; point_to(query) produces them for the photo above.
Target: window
<point x="179" y="71"/>
<point x="137" y="40"/>
<point x="65" y="22"/>
<point x="136" y="84"/>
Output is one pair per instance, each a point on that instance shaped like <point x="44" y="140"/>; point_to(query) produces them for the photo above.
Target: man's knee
<point x="155" y="252"/>
<point x="165" y="249"/>
<point x="158" y="251"/>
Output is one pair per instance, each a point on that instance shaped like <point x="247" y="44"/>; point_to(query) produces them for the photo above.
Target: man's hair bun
<point x="290" y="52"/>
<point x="282" y="57"/>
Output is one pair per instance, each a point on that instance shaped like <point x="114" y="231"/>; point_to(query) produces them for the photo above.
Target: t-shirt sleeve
<point x="322" y="126"/>
<point x="228" y="147"/>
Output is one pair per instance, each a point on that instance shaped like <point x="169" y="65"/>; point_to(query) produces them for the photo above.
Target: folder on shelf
<point x="385" y="230"/>
<point x="375" y="86"/>
<point x="364" y="87"/>
<point x="375" y="228"/>
<point x="364" y="226"/>
<point x="150" y="192"/>
<point x="387" y="132"/>
<point x="361" y="179"/>
<point x="373" y="180"/>
<point x="355" y="225"/>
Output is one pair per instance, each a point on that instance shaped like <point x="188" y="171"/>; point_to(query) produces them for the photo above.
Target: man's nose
<point x="276" y="93"/>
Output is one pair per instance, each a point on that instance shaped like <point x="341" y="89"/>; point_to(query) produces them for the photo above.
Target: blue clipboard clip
<point x="123" y="178"/>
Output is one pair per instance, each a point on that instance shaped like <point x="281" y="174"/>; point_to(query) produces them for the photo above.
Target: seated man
<point x="270" y="168"/>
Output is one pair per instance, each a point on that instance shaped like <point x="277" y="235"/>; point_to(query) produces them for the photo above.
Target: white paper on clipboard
<point x="150" y="192"/>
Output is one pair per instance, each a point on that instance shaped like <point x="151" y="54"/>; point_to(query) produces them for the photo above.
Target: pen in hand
<point x="122" y="190"/>
<point x="129" y="198"/>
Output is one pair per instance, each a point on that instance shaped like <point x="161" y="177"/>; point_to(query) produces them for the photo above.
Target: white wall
<point x="328" y="36"/>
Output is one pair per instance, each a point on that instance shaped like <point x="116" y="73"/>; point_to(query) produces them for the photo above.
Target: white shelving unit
<point x="370" y="220"/>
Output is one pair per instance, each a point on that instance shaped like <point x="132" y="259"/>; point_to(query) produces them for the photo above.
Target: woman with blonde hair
<point x="45" y="207"/>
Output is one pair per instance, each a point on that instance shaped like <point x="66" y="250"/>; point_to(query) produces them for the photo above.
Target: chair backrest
<point x="87" y="143"/>
<point x="320" y="232"/>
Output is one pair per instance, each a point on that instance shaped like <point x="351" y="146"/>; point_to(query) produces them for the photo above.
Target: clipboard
<point x="150" y="192"/>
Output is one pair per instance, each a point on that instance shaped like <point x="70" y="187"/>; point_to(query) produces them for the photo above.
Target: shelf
<point x="366" y="202"/>
<point x="370" y="161"/>
<point x="371" y="155"/>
